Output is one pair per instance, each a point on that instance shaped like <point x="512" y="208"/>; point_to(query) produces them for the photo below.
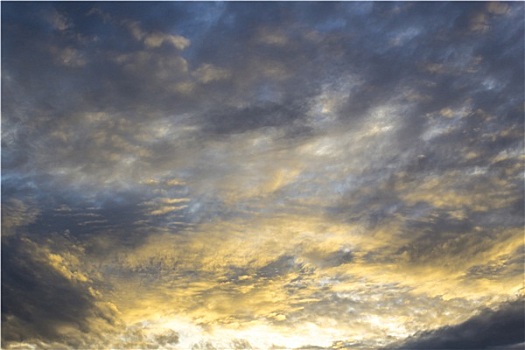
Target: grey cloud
<point x="265" y="115"/>
<point x="135" y="337"/>
<point x="17" y="214"/>
<point x="203" y="345"/>
<point x="154" y="77"/>
<point x="506" y="266"/>
<point x="436" y="235"/>
<point x="169" y="337"/>
<point x="331" y="259"/>
<point x="337" y="258"/>
<point x="368" y="206"/>
<point x="281" y="266"/>
<point x="40" y="302"/>
<point x="384" y="77"/>
<point x="239" y="344"/>
<point x="489" y="329"/>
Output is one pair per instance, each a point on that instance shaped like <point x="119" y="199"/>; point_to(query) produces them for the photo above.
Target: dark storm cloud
<point x="490" y="329"/>
<point x="42" y="303"/>
<point x="27" y="295"/>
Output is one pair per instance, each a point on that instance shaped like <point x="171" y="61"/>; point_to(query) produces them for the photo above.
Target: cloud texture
<point x="262" y="175"/>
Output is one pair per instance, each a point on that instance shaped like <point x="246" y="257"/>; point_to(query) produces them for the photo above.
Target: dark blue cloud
<point x="38" y="301"/>
<point x="491" y="329"/>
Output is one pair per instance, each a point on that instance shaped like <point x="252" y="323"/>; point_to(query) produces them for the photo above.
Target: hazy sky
<point x="226" y="175"/>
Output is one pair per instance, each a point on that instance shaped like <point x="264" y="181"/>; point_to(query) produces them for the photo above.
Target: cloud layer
<point x="264" y="175"/>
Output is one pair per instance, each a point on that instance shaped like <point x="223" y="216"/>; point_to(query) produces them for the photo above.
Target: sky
<point x="263" y="175"/>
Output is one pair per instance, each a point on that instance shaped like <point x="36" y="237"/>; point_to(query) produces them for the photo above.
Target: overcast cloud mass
<point x="228" y="175"/>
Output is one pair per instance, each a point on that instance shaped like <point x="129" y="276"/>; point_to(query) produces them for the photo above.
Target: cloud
<point x="59" y="21"/>
<point x="208" y="73"/>
<point x="69" y="57"/>
<point x="46" y="297"/>
<point x="284" y="175"/>
<point x="270" y="37"/>
<point x="17" y="214"/>
<point x="156" y="39"/>
<point x="504" y="265"/>
<point x="489" y="329"/>
<point x="498" y="8"/>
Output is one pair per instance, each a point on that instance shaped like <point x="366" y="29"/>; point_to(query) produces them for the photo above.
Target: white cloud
<point x="60" y="21"/>
<point x="207" y="73"/>
<point x="156" y="39"/>
<point x="69" y="57"/>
